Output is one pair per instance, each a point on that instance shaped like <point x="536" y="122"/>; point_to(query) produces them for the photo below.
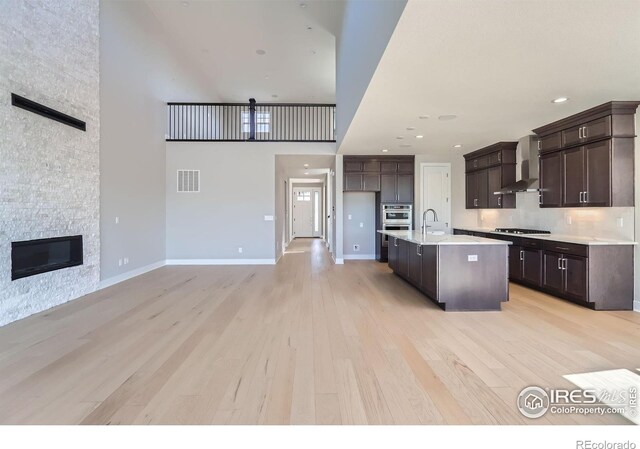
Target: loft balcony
<point x="250" y="122"/>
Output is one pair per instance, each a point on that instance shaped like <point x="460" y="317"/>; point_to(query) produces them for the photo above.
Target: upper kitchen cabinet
<point x="487" y="171"/>
<point x="586" y="160"/>
<point x="391" y="176"/>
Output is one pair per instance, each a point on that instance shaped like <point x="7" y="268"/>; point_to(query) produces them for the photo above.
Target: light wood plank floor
<point x="304" y="341"/>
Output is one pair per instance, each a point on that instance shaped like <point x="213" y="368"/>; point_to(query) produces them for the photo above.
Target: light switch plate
<point x="349" y="217"/>
<point x="268" y="218"/>
<point x="472" y="258"/>
<point x="620" y="222"/>
<point x="361" y="224"/>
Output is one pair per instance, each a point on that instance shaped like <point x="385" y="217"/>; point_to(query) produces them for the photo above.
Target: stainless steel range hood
<point x="527" y="157"/>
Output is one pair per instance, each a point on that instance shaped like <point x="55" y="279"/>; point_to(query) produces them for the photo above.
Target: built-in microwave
<point x="397" y="213"/>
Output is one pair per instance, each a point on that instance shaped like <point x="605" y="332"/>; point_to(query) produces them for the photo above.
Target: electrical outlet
<point x="117" y="220"/>
<point x="472" y="258"/>
<point x="620" y="222"/>
<point x="126" y="261"/>
<point x="240" y="249"/>
<point x="119" y="262"/>
<point x="361" y="224"/>
<point x="349" y="217"/>
<point x="356" y="247"/>
<point x="569" y="219"/>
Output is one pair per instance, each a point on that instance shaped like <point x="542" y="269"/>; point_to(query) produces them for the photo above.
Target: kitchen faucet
<point x="424" y="220"/>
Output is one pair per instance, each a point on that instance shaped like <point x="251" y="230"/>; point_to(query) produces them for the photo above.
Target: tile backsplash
<point x="603" y="222"/>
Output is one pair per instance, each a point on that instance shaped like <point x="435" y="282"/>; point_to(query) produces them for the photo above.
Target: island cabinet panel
<point x="403" y="258"/>
<point x="575" y="277"/>
<point x="414" y="272"/>
<point x="487" y="171"/>
<point x="597" y="152"/>
<point x="430" y="271"/>
<point x="392" y="254"/>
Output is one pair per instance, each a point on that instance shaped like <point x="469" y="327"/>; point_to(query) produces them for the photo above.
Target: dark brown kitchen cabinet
<point x="414" y="270"/>
<point x="515" y="263"/>
<point x="593" y="164"/>
<point x="551" y="177"/>
<point x="487" y="171"/>
<point x="573" y="177"/>
<point x="566" y="275"/>
<point x="352" y="182"/>
<point x="391" y="176"/>
<point x="532" y="266"/>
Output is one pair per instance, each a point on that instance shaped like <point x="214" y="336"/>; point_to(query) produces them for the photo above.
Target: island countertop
<point x="444" y="239"/>
<point x="579" y="240"/>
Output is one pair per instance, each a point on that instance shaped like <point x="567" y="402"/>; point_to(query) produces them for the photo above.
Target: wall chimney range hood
<point x="527" y="157"/>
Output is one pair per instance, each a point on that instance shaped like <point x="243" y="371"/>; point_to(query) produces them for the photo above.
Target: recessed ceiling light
<point x="313" y="52"/>
<point x="266" y="77"/>
<point x="410" y="128"/>
<point x="309" y="28"/>
<point x="260" y="52"/>
<point x="447" y="117"/>
<point x="385" y="151"/>
<point x="303" y="5"/>
<point x="185" y="4"/>
<point x="400" y="137"/>
<point x="306" y="173"/>
<point x="405" y="145"/>
<point x="559" y="100"/>
<point x="457" y="146"/>
<point x="306" y="165"/>
<point x="274" y="96"/>
<point x="423" y="117"/>
<point x="419" y="137"/>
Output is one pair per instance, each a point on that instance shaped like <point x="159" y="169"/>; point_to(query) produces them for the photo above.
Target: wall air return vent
<point x="188" y="181"/>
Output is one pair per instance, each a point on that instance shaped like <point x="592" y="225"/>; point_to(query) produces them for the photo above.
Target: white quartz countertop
<point x="580" y="240"/>
<point x="446" y="239"/>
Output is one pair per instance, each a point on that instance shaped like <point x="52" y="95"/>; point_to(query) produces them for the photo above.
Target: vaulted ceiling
<point x="272" y="50"/>
<point x="496" y="65"/>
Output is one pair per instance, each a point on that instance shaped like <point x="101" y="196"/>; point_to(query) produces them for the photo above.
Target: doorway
<point x="435" y="193"/>
<point x="307" y="212"/>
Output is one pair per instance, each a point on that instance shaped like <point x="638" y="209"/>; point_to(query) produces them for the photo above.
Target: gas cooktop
<point x="521" y="231"/>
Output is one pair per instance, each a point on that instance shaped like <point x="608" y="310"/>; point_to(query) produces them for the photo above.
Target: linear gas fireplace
<point x="40" y="256"/>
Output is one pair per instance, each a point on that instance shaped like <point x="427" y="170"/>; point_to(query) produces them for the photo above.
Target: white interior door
<point x="436" y="195"/>
<point x="302" y="212"/>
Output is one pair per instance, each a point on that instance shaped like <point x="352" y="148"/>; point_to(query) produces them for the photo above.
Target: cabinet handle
<point x="586" y="197"/>
<point x="418" y="250"/>
<point x="584" y="132"/>
<point x="580" y="133"/>
<point x="538" y="145"/>
<point x="559" y="263"/>
<point x="564" y="264"/>
<point x="540" y="198"/>
<point x="395" y="241"/>
<point x="499" y="157"/>
<point x="562" y="248"/>
<point x="499" y="201"/>
<point x="521" y="254"/>
<point x="580" y="200"/>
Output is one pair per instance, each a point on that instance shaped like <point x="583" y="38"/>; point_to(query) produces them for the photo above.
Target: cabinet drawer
<point x="567" y="248"/>
<point x="531" y="243"/>
<point x="352" y="166"/>
<point x="549" y="143"/>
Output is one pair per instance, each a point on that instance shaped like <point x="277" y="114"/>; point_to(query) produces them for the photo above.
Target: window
<point x="304" y="196"/>
<point x="263" y="122"/>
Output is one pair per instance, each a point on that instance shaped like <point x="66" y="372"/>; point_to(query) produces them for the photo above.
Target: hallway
<point x="304" y="341"/>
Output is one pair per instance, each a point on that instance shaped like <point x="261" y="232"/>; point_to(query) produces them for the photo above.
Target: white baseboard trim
<point x="339" y="261"/>
<point x="359" y="257"/>
<point x="221" y="261"/>
<point x="130" y="274"/>
<point x="636" y="305"/>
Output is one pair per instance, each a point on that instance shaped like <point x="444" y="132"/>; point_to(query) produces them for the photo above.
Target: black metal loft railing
<point x="251" y="122"/>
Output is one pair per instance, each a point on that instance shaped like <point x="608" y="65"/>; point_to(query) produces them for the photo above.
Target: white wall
<point x="366" y="29"/>
<point x="361" y="206"/>
<point x="49" y="172"/>
<point x="140" y="72"/>
<point x="237" y="191"/>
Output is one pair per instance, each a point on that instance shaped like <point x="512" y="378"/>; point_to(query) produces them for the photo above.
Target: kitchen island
<point x="457" y="272"/>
